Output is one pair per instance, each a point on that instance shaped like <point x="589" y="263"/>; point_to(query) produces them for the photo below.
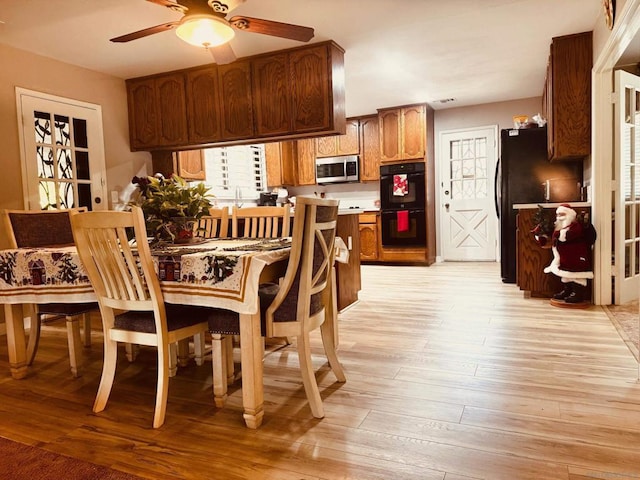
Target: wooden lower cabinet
<point x="369" y="236"/>
<point x="348" y="277"/>
<point x="531" y="258"/>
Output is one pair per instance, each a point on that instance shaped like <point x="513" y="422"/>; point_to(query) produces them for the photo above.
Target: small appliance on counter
<point x="268" y="199"/>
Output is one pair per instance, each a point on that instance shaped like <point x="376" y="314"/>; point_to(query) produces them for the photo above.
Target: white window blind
<point x="239" y="167"/>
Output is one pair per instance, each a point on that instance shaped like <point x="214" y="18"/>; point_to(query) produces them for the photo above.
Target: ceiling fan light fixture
<point x="204" y="30"/>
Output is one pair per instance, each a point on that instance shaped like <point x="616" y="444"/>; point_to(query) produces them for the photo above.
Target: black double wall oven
<point x="402" y="205"/>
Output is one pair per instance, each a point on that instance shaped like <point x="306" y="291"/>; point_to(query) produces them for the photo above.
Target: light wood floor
<point x="450" y="375"/>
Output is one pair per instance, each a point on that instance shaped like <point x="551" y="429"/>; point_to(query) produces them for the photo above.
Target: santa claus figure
<point x="572" y="241"/>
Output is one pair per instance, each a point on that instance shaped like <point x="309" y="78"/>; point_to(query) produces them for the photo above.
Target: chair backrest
<point x="112" y="263"/>
<point x="260" y="222"/>
<point x="38" y="228"/>
<point x="214" y="225"/>
<point x="304" y="289"/>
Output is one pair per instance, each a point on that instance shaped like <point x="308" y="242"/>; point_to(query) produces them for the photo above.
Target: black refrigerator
<point x="525" y="175"/>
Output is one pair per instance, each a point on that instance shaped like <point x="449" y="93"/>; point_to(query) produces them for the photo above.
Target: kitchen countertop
<point x="350" y="211"/>
<point x="522" y="206"/>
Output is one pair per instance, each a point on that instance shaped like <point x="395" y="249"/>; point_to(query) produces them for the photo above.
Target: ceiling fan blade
<point x="144" y="33"/>
<point x="169" y="3"/>
<point x="223" y="54"/>
<point x="269" y="27"/>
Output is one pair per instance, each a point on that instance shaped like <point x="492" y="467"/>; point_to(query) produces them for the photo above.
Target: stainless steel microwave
<point x="337" y="169"/>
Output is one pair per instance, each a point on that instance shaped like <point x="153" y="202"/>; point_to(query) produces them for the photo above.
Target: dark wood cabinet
<point x="290" y="94"/>
<point x="271" y="86"/>
<point x="531" y="258"/>
<point x="234" y="81"/>
<point x="203" y="105"/>
<point x="157" y="112"/>
<point x="369" y="149"/>
<point x="566" y="100"/>
<point x="348" y="276"/>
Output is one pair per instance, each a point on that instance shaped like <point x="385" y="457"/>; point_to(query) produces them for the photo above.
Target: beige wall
<point x="26" y="70"/>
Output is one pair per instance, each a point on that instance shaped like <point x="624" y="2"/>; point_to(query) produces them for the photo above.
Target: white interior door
<point x="627" y="181"/>
<point x="62" y="152"/>
<point x="468" y="223"/>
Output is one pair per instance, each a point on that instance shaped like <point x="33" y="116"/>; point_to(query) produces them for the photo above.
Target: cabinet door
<point x="311" y="97"/>
<point x="191" y="165"/>
<point x="569" y="126"/>
<point x="172" y="110"/>
<point x="369" y="149"/>
<point x="270" y="81"/>
<point x="326" y="146"/>
<point x="143" y="113"/>
<point x="203" y="106"/>
<point x="272" y="160"/>
<point x="237" y="110"/>
<point x="368" y="241"/>
<point x="413" y="131"/>
<point x="349" y="143"/>
<point x="305" y="169"/>
<point x="389" y="135"/>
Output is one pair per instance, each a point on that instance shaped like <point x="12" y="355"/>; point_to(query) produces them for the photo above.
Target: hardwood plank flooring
<point x="451" y="375"/>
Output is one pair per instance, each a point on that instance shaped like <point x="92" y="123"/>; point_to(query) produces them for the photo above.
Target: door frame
<point x="602" y="140"/>
<point x="98" y="150"/>
<point x="438" y="174"/>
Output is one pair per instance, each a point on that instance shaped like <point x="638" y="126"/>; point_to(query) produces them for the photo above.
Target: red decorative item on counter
<point x="402" y="217"/>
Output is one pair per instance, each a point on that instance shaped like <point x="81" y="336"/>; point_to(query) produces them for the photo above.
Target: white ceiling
<point x="397" y="51"/>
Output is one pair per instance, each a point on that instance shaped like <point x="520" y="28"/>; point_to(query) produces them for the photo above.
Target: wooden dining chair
<point x="50" y="228"/>
<point x="214" y="225"/>
<point x="260" y="222"/>
<point x="304" y="299"/>
<point x="125" y="280"/>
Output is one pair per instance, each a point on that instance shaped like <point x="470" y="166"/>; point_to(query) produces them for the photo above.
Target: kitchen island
<point x="348" y="274"/>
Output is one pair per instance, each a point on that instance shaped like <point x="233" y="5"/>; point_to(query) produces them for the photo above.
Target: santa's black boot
<point x="577" y="296"/>
<point x="568" y="290"/>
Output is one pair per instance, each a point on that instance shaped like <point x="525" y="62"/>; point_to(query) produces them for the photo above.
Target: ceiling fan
<point x="204" y="24"/>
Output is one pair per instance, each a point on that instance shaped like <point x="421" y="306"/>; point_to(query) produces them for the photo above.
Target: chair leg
<point x="328" y="338"/>
<point x="132" y="351"/>
<point x="73" y="339"/>
<point x="219" y="345"/>
<point x="228" y="355"/>
<point x="308" y="376"/>
<point x="108" y="374"/>
<point x="164" y="352"/>
<point x="183" y="352"/>
<point x="86" y="332"/>
<point x="173" y="360"/>
<point x="34" y="338"/>
<point x="199" y="348"/>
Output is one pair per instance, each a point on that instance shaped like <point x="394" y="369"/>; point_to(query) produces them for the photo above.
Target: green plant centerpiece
<point x="172" y="206"/>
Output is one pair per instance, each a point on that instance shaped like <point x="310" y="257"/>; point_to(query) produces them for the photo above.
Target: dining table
<point x="220" y="273"/>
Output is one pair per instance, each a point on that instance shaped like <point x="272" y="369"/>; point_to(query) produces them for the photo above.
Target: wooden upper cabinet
<point x="190" y="165"/>
<point x="203" y="105"/>
<point x="294" y="93"/>
<point x="234" y="81"/>
<point x="297" y="162"/>
<point x="402" y="133"/>
<point x="336" y="145"/>
<point x="157" y="111"/>
<point x="567" y="97"/>
<point x="369" y="148"/>
<point x="305" y="166"/>
<point x="270" y="82"/>
<point x="311" y="94"/>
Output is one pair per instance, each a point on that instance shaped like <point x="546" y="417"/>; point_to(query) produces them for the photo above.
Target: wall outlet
<point x="114" y="197"/>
